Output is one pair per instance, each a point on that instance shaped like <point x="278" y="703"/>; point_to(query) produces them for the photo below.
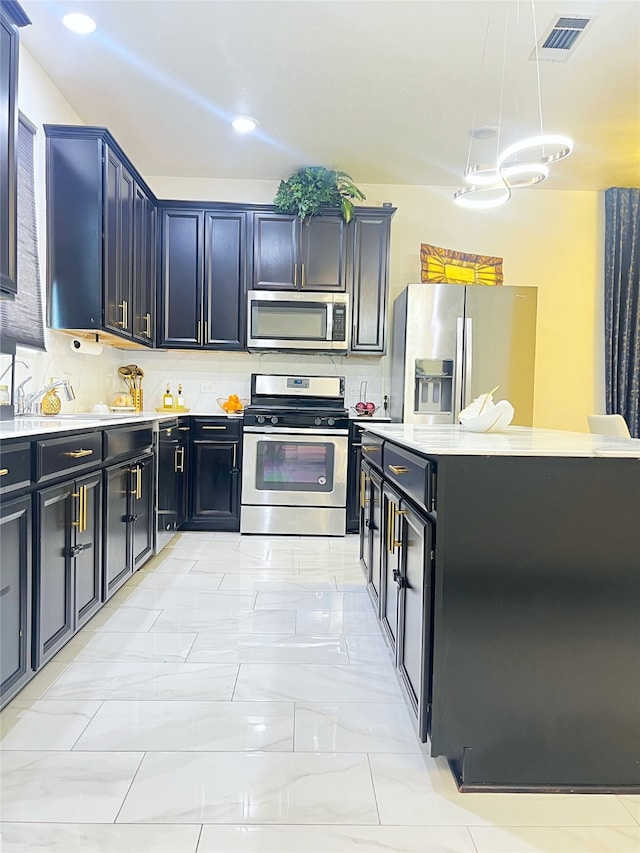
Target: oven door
<point x="306" y="468"/>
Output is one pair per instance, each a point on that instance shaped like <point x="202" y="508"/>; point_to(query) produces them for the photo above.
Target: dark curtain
<point x="21" y="320"/>
<point x="622" y="305"/>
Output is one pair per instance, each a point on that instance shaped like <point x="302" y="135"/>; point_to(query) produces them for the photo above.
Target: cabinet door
<point x="8" y="185"/>
<point x="142" y="511"/>
<point x="415" y="613"/>
<point x="375" y="537"/>
<point x="117" y="565"/>
<point x="369" y="270"/>
<point x="113" y="311"/>
<point x="323" y="253"/>
<point x="87" y="561"/>
<point x="390" y="562"/>
<point x="275" y="251"/>
<point x="144" y="284"/>
<point x="169" y="478"/>
<point x="53" y="596"/>
<point x="181" y="278"/>
<point x="224" y="281"/>
<point x="354" y="480"/>
<point x="215" y="485"/>
<point x="126" y="195"/>
<point x="15" y="596"/>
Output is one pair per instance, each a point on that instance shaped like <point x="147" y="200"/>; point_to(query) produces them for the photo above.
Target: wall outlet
<point x="208" y="387"/>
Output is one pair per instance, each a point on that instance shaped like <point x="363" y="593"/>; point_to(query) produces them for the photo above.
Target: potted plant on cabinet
<point x="309" y="189"/>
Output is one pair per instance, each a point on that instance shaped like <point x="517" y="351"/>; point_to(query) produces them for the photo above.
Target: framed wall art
<point x="447" y="266"/>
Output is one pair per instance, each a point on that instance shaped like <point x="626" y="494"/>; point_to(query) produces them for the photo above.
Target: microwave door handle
<point x="458" y="389"/>
<point x="329" y="335"/>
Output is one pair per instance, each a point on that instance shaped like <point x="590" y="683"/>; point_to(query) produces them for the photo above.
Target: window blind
<point x="22" y="319"/>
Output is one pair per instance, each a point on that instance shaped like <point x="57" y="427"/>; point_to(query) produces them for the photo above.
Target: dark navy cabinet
<point x="289" y="254"/>
<point x="101" y="237"/>
<point x="129" y="491"/>
<point x="215" y="460"/>
<point x="202" y="291"/>
<point x="15" y="596"/>
<point x="68" y="575"/>
<point x="11" y="18"/>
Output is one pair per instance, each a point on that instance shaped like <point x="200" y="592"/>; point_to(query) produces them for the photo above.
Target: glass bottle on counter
<point x="180" y="398"/>
<point x="167" y="398"/>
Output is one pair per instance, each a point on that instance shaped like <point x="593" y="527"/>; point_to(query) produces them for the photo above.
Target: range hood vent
<point x="562" y="37"/>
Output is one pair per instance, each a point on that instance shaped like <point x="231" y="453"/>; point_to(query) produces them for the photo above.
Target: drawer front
<point x="15" y="467"/>
<point x="372" y="449"/>
<point x="127" y="441"/>
<point x="216" y="429"/>
<point x="58" y="456"/>
<point x="412" y="474"/>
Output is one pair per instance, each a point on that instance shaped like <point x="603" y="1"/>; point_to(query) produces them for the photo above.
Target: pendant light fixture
<point x="523" y="163"/>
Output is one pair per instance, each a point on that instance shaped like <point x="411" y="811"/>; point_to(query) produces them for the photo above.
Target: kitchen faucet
<point x="26" y="403"/>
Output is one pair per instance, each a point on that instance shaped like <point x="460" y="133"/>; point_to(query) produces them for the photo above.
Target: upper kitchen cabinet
<point x="11" y="18"/>
<point x="368" y="277"/>
<point x="292" y="255"/>
<point x="101" y="226"/>
<point x="202" y="287"/>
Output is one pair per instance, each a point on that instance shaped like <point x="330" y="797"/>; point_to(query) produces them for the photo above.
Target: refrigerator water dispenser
<point x="433" y="386"/>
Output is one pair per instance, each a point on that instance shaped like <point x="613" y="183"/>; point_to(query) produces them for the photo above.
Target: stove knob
<point x="331" y="421"/>
<point x="318" y="421"/>
<point x="260" y="419"/>
<point x="275" y="419"/>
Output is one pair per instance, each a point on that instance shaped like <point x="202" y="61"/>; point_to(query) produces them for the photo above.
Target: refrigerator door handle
<point x="468" y="361"/>
<point x="458" y="390"/>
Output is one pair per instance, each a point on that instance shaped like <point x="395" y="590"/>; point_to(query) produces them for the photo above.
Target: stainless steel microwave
<point x="298" y="320"/>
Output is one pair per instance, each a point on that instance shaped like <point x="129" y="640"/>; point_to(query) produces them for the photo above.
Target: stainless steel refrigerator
<point x="453" y="342"/>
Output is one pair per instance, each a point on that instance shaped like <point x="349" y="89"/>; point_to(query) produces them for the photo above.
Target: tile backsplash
<point x="203" y="375"/>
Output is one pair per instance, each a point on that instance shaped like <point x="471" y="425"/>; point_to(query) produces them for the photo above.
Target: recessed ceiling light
<point x="244" y="124"/>
<point x="79" y="23"/>
<point x="484" y="131"/>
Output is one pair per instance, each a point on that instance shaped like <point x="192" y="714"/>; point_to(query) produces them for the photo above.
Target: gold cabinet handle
<point x="396" y="543"/>
<point x="206" y="333"/>
<point x="3" y="471"/>
<point x="184" y="429"/>
<point x="389" y="516"/>
<point x="199" y="330"/>
<point x="295" y="275"/>
<point x="302" y="265"/>
<point x="214" y="427"/>
<point x="363" y="480"/>
<point x="371" y="448"/>
<point x="178" y="466"/>
<point x="78" y="523"/>
<point x="84" y="505"/>
<point x="77" y="454"/>
<point x="138" y="482"/>
<point x="147" y="325"/>
<point x="235" y="454"/>
<point x="399" y="469"/>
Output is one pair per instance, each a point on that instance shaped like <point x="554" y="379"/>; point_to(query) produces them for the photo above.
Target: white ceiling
<point x="386" y="90"/>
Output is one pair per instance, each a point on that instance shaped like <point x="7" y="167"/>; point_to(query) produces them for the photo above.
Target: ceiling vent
<point x="562" y="37"/>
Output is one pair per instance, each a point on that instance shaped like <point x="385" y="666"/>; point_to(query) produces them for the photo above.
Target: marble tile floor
<point x="236" y="696"/>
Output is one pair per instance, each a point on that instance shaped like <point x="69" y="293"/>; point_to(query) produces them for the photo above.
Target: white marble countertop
<point x="25" y="427"/>
<point x="450" y="440"/>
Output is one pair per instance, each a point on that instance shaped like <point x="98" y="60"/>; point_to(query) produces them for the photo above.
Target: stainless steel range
<point x="294" y="469"/>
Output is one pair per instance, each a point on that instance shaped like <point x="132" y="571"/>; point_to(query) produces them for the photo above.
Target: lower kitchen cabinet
<point x="172" y="461"/>
<point x="128" y="520"/>
<point x="15" y="596"/>
<point x="415" y="596"/>
<point x="215" y="457"/>
<point x="371" y="530"/>
<point x="68" y="568"/>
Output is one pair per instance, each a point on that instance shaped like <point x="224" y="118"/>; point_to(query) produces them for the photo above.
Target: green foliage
<point x="313" y="187"/>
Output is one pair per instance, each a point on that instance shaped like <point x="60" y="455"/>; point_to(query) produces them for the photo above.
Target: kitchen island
<point x="506" y="572"/>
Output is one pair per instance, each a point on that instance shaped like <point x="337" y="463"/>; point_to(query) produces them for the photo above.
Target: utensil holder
<point x="136" y="394"/>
